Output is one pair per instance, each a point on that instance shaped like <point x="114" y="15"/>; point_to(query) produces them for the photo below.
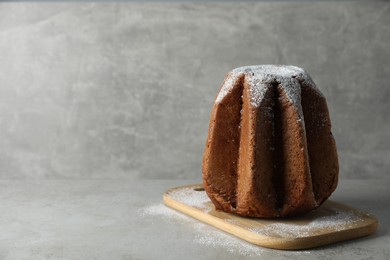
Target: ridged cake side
<point x="261" y="159"/>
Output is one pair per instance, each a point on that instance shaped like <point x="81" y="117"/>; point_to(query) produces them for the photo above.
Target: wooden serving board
<point x="332" y="222"/>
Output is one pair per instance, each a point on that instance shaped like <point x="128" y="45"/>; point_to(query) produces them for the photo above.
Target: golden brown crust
<point x="254" y="194"/>
<point x="321" y="144"/>
<point x="221" y="155"/>
<point x="297" y="186"/>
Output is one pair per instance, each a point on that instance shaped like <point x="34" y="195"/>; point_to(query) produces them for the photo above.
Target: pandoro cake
<point x="270" y="151"/>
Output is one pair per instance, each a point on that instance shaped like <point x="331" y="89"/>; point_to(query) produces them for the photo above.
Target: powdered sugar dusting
<point x="217" y="239"/>
<point x="261" y="76"/>
<point x="337" y="221"/>
<point x="257" y="92"/>
<point x="207" y="235"/>
<point x="195" y="198"/>
<point x="332" y="218"/>
<point x="160" y="210"/>
<point x="292" y="88"/>
<point x="210" y="237"/>
<point x="227" y="85"/>
<point x="233" y="221"/>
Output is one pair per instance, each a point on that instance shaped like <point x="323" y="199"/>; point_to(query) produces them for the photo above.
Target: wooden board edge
<point x="327" y="239"/>
<point x="218" y="223"/>
<point x="257" y="239"/>
<point x="265" y="241"/>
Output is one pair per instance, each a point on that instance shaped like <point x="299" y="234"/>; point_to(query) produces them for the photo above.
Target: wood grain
<point x="332" y="222"/>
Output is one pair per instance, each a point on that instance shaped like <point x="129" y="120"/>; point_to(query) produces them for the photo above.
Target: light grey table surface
<point x="106" y="219"/>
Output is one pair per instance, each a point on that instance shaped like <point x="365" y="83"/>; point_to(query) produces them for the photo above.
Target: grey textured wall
<point x="125" y="90"/>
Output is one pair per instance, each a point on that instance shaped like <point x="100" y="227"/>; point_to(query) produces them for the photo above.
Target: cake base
<point x="332" y="222"/>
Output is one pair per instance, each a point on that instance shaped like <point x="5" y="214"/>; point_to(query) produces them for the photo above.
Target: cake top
<point x="261" y="77"/>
